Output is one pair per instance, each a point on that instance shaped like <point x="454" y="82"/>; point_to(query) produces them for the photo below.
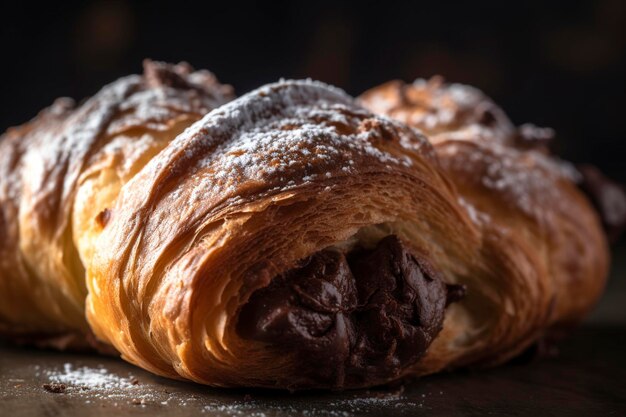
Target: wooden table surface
<point x="587" y="378"/>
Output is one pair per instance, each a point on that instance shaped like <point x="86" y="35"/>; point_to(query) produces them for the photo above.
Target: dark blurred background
<point x="558" y="64"/>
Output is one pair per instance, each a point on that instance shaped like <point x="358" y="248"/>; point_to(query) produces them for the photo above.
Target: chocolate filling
<point x="352" y="320"/>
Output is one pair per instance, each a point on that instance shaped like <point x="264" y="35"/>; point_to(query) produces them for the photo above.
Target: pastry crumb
<point x="55" y="388"/>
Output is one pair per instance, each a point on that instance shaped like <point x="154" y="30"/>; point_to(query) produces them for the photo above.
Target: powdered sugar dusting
<point x="86" y="377"/>
<point x="94" y="382"/>
<point x="447" y="107"/>
<point x="156" y="108"/>
<point x="478" y="217"/>
<point x="344" y="407"/>
<point x="525" y="179"/>
<point x="97" y="385"/>
<point x="278" y="137"/>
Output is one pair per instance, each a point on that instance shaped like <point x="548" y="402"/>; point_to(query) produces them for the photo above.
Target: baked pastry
<point x="289" y="238"/>
<point x="58" y="170"/>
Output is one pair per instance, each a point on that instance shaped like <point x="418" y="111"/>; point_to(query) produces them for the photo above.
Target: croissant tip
<point x="159" y="73"/>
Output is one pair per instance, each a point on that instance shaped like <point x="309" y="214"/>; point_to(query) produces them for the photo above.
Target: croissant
<point x="290" y="238"/>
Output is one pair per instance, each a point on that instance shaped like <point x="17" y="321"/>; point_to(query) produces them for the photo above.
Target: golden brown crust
<point x="45" y="165"/>
<point x="436" y="107"/>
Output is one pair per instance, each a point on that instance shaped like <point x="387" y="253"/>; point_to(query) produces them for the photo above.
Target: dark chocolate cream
<point x="352" y="320"/>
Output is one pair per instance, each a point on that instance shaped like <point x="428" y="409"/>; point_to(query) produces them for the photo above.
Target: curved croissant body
<point x="288" y="224"/>
<point x="59" y="171"/>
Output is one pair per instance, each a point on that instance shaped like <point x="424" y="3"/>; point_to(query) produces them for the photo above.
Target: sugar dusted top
<point x="279" y="136"/>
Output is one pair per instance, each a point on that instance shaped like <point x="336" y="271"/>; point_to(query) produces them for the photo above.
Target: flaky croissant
<point x="290" y="238"/>
<point x="61" y="170"/>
